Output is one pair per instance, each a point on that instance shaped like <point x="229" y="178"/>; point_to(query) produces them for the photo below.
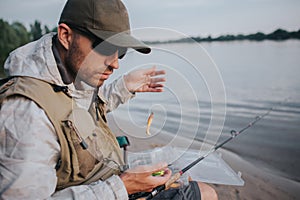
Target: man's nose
<point x="112" y="61"/>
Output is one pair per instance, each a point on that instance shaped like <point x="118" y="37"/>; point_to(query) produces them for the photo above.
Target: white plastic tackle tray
<point x="213" y="169"/>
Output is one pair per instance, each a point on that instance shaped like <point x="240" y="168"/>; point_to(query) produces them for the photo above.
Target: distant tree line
<point x="277" y="35"/>
<point x="15" y="34"/>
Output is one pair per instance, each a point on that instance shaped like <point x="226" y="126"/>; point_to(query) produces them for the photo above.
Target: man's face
<point x="88" y="65"/>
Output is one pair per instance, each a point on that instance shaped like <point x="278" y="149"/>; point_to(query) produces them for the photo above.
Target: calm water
<point x="214" y="88"/>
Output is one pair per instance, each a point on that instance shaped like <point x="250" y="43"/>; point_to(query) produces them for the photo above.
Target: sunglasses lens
<point x="122" y="51"/>
<point x="100" y="46"/>
<point x="104" y="48"/>
<point x="107" y="49"/>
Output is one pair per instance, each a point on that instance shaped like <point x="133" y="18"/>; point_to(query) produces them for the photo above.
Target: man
<point x="54" y="140"/>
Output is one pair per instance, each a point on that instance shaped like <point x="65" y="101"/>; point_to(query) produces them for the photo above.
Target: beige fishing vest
<point x="89" y="150"/>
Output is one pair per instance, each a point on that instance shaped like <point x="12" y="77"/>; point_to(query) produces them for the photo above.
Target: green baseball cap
<point x="106" y="19"/>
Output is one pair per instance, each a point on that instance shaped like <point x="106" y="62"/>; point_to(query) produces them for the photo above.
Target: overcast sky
<point x="192" y="17"/>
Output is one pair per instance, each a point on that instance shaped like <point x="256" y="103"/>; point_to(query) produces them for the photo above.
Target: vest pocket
<point x="93" y="154"/>
<point x="84" y="154"/>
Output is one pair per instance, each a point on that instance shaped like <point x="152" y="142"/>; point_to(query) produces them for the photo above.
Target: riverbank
<point x="259" y="183"/>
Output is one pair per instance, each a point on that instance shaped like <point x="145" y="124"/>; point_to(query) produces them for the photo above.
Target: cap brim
<point x="123" y="39"/>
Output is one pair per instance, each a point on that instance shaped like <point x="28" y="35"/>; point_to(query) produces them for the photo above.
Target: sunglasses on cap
<point x="100" y="46"/>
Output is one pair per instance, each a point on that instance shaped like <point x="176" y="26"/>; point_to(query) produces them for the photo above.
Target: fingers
<point x="151" y="85"/>
<point x="150" y="71"/>
<point x="148" y="169"/>
<point x="141" y="178"/>
<point x="153" y="72"/>
<point x="156" y="86"/>
<point x="156" y="167"/>
<point x="157" y="80"/>
<point x="155" y="90"/>
<point x="160" y="72"/>
<point x="160" y="180"/>
<point x="145" y="80"/>
<point x="152" y="88"/>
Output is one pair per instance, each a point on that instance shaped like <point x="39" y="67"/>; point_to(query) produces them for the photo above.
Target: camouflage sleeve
<point x="115" y="93"/>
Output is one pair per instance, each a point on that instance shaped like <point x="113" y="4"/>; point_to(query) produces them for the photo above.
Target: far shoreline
<point x="277" y="35"/>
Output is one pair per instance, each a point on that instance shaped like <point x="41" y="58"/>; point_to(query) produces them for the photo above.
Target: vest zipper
<point x="82" y="143"/>
<point x="97" y="103"/>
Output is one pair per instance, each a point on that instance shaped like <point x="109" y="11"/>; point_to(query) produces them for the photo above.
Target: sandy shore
<point x="259" y="183"/>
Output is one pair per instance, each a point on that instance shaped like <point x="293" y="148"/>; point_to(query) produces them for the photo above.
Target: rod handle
<point x="173" y="179"/>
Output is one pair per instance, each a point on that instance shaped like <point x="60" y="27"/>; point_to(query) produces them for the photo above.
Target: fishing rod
<point x="176" y="176"/>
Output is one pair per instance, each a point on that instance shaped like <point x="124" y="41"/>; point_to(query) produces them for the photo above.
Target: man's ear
<point x="64" y="35"/>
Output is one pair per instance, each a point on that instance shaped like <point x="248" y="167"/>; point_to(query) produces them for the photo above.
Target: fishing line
<point x="176" y="176"/>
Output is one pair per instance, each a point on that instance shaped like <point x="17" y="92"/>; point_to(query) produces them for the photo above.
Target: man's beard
<point x="74" y="59"/>
<point x="77" y="68"/>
